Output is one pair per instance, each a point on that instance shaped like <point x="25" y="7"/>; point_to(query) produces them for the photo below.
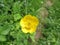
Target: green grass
<point x="11" y="12"/>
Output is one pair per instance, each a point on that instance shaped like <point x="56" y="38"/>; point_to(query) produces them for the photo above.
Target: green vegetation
<point x="11" y="12"/>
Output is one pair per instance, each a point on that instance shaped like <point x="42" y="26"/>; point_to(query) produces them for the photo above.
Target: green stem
<point x="26" y="2"/>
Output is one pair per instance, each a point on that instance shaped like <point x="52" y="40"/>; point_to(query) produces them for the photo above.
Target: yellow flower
<point x="29" y="24"/>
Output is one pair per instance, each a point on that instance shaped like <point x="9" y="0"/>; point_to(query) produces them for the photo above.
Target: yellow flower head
<point x="29" y="24"/>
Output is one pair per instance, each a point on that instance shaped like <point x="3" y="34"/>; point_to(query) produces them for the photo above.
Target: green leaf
<point x="4" y="30"/>
<point x="17" y="25"/>
<point x="16" y="7"/>
<point x="32" y="36"/>
<point x="17" y="17"/>
<point x="2" y="38"/>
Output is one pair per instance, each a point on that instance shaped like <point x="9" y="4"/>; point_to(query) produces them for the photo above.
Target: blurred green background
<point x="11" y="12"/>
